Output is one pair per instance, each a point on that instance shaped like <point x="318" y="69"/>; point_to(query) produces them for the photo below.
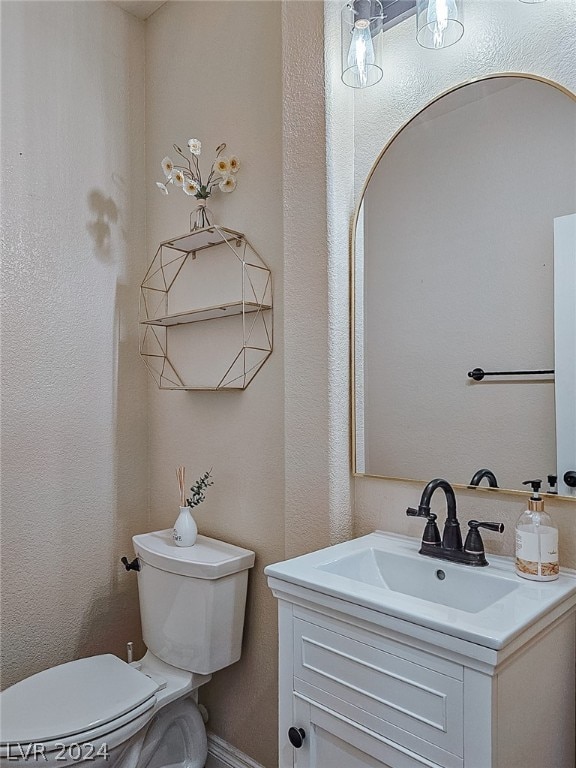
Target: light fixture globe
<point x="438" y="23"/>
<point x="361" y="43"/>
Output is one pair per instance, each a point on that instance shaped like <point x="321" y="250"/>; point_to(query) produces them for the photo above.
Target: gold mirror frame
<point x="352" y="261"/>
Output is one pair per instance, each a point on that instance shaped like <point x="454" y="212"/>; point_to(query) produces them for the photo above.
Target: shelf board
<point x="202" y="389"/>
<point x="207" y="313"/>
<point x="203" y="238"/>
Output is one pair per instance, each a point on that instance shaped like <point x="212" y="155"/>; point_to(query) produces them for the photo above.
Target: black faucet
<point x="449" y="547"/>
<point x="484" y="473"/>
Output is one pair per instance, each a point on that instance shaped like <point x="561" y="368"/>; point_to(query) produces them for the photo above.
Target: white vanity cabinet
<point x="369" y="690"/>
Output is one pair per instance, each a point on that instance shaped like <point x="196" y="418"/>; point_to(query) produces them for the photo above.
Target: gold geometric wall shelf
<point x="206" y="311"/>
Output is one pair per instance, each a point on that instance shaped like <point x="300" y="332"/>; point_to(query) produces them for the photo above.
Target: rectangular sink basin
<point x="383" y="572"/>
<point x="426" y="579"/>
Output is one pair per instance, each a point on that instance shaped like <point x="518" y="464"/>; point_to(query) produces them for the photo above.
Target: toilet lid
<point x="72" y="698"/>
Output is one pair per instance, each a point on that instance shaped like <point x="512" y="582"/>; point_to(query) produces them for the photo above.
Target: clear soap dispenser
<point x="536" y="540"/>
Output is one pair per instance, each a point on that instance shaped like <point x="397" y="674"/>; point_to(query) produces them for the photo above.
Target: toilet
<point x="143" y="714"/>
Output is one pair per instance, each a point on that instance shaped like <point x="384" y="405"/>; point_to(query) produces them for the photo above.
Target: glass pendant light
<point x="361" y="43"/>
<point x="438" y="23"/>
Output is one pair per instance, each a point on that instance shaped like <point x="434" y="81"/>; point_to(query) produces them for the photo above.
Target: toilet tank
<point x="192" y="600"/>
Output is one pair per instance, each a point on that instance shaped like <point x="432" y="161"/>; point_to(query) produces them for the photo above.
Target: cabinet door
<point x="407" y="696"/>
<point x="333" y="741"/>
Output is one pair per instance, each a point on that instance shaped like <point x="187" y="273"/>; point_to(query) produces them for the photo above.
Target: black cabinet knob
<point x="296" y="736"/>
<point x="570" y="478"/>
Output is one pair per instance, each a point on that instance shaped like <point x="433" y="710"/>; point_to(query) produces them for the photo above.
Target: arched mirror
<point x="464" y="258"/>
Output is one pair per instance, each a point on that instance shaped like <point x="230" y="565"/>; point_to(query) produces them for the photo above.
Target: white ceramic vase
<point x="185" y="529"/>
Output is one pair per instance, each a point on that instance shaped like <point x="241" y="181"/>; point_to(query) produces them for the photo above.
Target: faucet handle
<point x="498" y="527"/>
<point x="431" y="533"/>
<point x="474" y="543"/>
<point x="422" y="511"/>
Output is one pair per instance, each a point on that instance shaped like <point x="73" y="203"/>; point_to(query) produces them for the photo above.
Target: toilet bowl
<point x="103" y="710"/>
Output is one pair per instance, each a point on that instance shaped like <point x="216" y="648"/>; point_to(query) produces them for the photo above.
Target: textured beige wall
<point x="214" y="73"/>
<point x="316" y="421"/>
<point x="503" y="36"/>
<point x="74" y="441"/>
<point x="251" y="74"/>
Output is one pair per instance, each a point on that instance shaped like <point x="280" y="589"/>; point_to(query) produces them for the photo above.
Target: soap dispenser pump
<point x="536" y="540"/>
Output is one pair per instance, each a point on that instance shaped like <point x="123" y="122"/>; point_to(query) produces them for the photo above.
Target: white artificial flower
<point x="178" y="177"/>
<point x="228" y="184"/>
<point x="222" y="166"/>
<point x="162" y="187"/>
<point x="167" y="167"/>
<point x="195" y="146"/>
<point x="234" y="164"/>
<point x="190" y="187"/>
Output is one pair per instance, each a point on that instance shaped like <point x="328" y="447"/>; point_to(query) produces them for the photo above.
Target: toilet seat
<point x="93" y="738"/>
<point x="75" y="703"/>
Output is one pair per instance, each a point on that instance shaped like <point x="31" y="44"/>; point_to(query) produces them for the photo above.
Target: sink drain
<point x="440" y="574"/>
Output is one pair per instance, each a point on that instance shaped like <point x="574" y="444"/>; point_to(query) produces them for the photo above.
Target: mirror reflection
<point x="464" y="259"/>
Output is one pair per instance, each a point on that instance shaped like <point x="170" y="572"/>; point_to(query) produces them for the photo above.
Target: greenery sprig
<point x="198" y="490"/>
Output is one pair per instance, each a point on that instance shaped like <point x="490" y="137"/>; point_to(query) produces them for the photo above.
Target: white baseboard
<point x="221" y="754"/>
